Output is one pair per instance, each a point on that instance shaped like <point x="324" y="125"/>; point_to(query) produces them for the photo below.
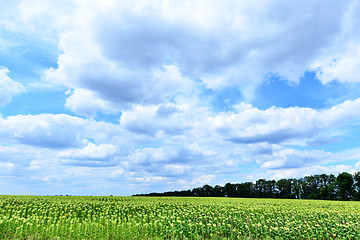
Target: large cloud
<point x="275" y="125"/>
<point x="55" y="131"/>
<point x="290" y="158"/>
<point x="340" y="60"/>
<point x="118" y="49"/>
<point x="87" y="103"/>
<point x="46" y="130"/>
<point x="169" y="119"/>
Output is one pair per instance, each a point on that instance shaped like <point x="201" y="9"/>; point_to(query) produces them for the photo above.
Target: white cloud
<point x="203" y="179"/>
<point x="275" y="125"/>
<point x="169" y="119"/>
<point x="152" y="157"/>
<point x="86" y="103"/>
<point x="340" y="60"/>
<point x="149" y="179"/>
<point x="117" y="173"/>
<point x="119" y="49"/>
<point x="6" y="165"/>
<point x="45" y="130"/>
<point x="343" y="68"/>
<point x="307" y="171"/>
<point x="200" y="146"/>
<point x="56" y="131"/>
<point x="91" y="151"/>
<point x="8" y="87"/>
<point x="290" y="158"/>
<point x="42" y="17"/>
<point x="177" y="169"/>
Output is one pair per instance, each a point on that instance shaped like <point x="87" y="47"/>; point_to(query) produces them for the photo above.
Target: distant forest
<point x="345" y="187"/>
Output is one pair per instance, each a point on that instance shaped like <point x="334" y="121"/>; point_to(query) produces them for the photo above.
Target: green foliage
<point x="25" y="217"/>
<point x="345" y="182"/>
<point x="324" y="187"/>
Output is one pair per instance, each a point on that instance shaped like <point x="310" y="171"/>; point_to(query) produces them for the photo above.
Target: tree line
<point x="344" y="187"/>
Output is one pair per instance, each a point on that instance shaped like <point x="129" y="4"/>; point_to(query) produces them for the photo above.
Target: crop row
<point x="26" y="217"/>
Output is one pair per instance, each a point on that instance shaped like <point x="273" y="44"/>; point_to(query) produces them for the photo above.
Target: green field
<point x="25" y="217"/>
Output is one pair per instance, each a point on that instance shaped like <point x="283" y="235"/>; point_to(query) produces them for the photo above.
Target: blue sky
<point x="124" y="97"/>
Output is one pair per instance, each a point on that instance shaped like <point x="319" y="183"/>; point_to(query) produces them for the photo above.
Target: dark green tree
<point x="284" y="188"/>
<point x="217" y="191"/>
<point x="357" y="185"/>
<point x="260" y="188"/>
<point x="207" y="190"/>
<point x="245" y="190"/>
<point x="295" y="187"/>
<point x="309" y="187"/>
<point x="270" y="189"/>
<point x="230" y="190"/>
<point x="345" y="184"/>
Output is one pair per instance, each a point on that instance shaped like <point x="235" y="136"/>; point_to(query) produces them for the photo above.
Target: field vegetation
<point x="69" y="217"/>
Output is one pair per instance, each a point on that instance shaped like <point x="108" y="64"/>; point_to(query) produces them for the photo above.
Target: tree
<point x="245" y="190"/>
<point x="207" y="190"/>
<point x="357" y="185"/>
<point x="270" y="189"/>
<point x="230" y="190"/>
<point x="327" y="187"/>
<point x="309" y="187"/>
<point x="217" y="191"/>
<point x="345" y="183"/>
<point x="331" y="188"/>
<point x="260" y="188"/>
<point x="284" y="188"/>
<point x="295" y="187"/>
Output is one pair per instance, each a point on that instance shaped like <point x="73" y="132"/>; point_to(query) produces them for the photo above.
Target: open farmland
<point x="30" y="217"/>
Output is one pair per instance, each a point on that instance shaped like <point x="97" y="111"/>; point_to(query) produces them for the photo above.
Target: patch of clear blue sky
<point x="26" y="60"/>
<point x="26" y="56"/>
<point x="309" y="92"/>
<point x="223" y="99"/>
<point x="109" y="118"/>
<point x="50" y="101"/>
<point x="349" y="140"/>
<point x="36" y="102"/>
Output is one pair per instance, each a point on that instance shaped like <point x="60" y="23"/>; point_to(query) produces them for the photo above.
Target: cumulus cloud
<point x="275" y="125"/>
<point x="177" y="169"/>
<point x="103" y="155"/>
<point x="8" y="87"/>
<point x="91" y="151"/>
<point x="150" y="156"/>
<point x="86" y="103"/>
<point x="45" y="130"/>
<point x="307" y="171"/>
<point x="340" y="59"/>
<point x="149" y="120"/>
<point x="146" y="53"/>
<point x="343" y="68"/>
<point x="114" y="85"/>
<point x="55" y="131"/>
<point x="290" y="158"/>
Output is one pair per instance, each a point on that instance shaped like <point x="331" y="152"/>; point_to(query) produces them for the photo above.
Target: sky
<point x="118" y="97"/>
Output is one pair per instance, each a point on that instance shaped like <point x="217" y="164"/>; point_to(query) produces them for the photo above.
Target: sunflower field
<point x="71" y="217"/>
